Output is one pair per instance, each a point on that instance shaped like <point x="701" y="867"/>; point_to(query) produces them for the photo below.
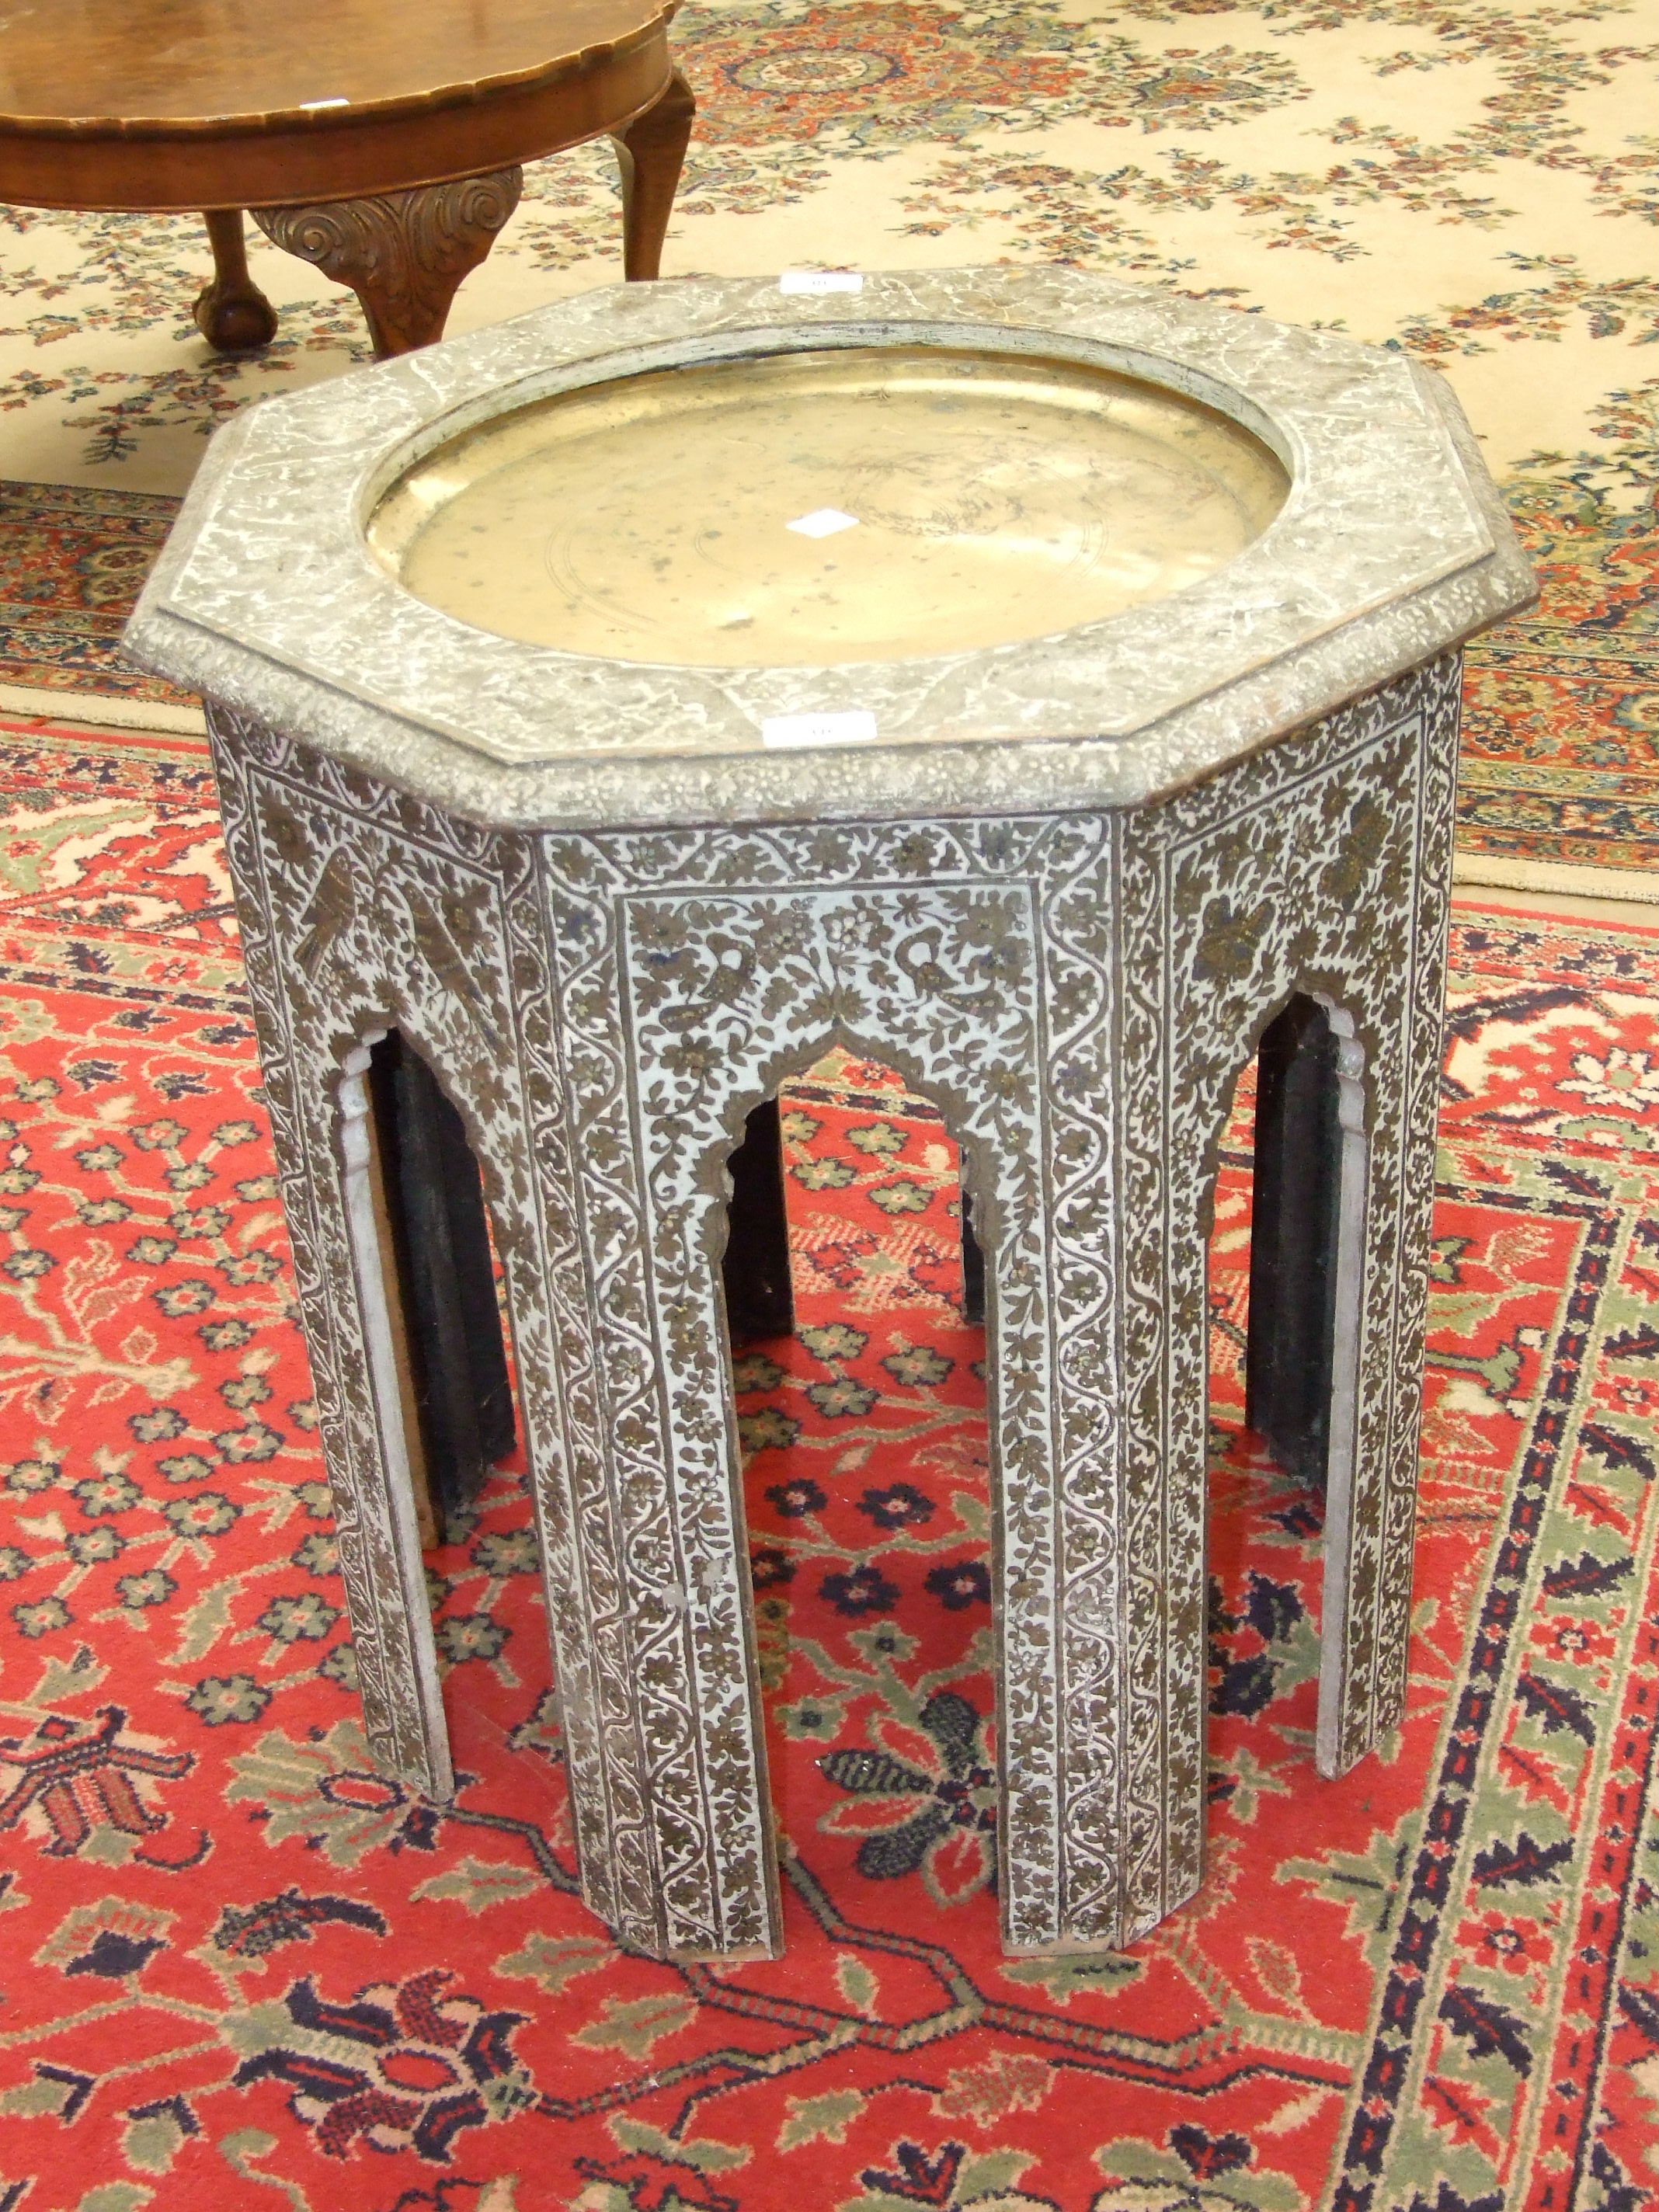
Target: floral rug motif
<point x="241" y="1965"/>
<point x="73" y="560"/>
<point x="1468" y="181"/>
<point x="1560" y="743"/>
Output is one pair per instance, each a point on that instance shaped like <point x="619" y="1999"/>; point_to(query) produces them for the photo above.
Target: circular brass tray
<point x="861" y="504"/>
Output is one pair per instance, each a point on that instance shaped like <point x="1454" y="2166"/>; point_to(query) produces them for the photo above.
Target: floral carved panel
<point x="1077" y="992"/>
<point x="696" y="971"/>
<point x="1323" y="866"/>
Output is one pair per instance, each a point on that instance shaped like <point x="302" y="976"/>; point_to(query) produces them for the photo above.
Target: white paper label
<point x="820" y="280"/>
<point x="823" y="522"/>
<point x="853" y="729"/>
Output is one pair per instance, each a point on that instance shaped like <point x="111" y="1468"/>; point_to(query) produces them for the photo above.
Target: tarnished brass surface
<point x="952" y="500"/>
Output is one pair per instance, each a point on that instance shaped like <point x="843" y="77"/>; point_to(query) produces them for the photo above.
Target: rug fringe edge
<point x="1494" y="871"/>
<point x="100" y="710"/>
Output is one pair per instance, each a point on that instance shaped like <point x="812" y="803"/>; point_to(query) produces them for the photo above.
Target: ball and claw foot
<point x="232" y="314"/>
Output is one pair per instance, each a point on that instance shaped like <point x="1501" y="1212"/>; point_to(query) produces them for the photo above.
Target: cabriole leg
<point x="650" y="153"/>
<point x="232" y="313"/>
<point x="402" y="253"/>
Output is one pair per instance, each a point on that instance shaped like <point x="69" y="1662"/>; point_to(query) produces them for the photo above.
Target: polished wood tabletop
<point x="382" y="140"/>
<point x="129" y="103"/>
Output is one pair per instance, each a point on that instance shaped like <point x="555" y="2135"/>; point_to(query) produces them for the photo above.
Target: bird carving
<point x="452" y="934"/>
<point x="455" y="943"/>
<point x="332" y="911"/>
<point x="332" y="906"/>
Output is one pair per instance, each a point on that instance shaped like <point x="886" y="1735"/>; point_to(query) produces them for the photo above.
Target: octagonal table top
<point x="1391" y="548"/>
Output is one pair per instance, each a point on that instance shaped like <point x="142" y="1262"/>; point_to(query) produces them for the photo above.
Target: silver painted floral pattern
<point x="1077" y="991"/>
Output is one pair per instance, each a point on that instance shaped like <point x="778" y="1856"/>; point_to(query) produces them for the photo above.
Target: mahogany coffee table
<point x="381" y="143"/>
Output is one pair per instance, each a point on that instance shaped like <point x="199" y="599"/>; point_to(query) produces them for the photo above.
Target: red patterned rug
<point x="243" y="1969"/>
<point x="72" y="562"/>
<point x="1561" y="752"/>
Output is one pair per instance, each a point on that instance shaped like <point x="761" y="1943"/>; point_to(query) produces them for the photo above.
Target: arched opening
<point x="1284" y="1275"/>
<point x="854" y="1294"/>
<point x="430" y="1285"/>
<point x="443" y="1274"/>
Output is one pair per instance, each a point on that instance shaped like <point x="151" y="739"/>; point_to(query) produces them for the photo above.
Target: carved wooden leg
<point x="650" y="152"/>
<point x="402" y="253"/>
<point x="232" y="313"/>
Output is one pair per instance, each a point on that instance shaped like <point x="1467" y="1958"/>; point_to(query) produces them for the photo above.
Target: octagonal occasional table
<point x="384" y="145"/>
<point x="1046" y="685"/>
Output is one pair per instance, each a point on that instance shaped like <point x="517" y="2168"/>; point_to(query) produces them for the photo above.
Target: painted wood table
<point x="1045" y="685"/>
<point x="385" y="144"/>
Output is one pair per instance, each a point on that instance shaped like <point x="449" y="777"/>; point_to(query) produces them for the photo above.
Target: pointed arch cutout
<point x="415" y="1190"/>
<point x="1307" y="1246"/>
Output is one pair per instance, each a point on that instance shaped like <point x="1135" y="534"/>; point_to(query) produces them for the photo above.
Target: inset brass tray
<point x="809" y="508"/>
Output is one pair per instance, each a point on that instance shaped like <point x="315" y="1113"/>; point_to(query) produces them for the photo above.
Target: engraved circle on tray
<point x="808" y="507"/>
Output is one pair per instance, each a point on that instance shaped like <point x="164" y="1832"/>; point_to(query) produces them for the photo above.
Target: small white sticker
<point x="820" y="280"/>
<point x="854" y="729"/>
<point x="823" y="522"/>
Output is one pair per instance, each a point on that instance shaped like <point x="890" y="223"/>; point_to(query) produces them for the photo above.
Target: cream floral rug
<point x="1472" y="182"/>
